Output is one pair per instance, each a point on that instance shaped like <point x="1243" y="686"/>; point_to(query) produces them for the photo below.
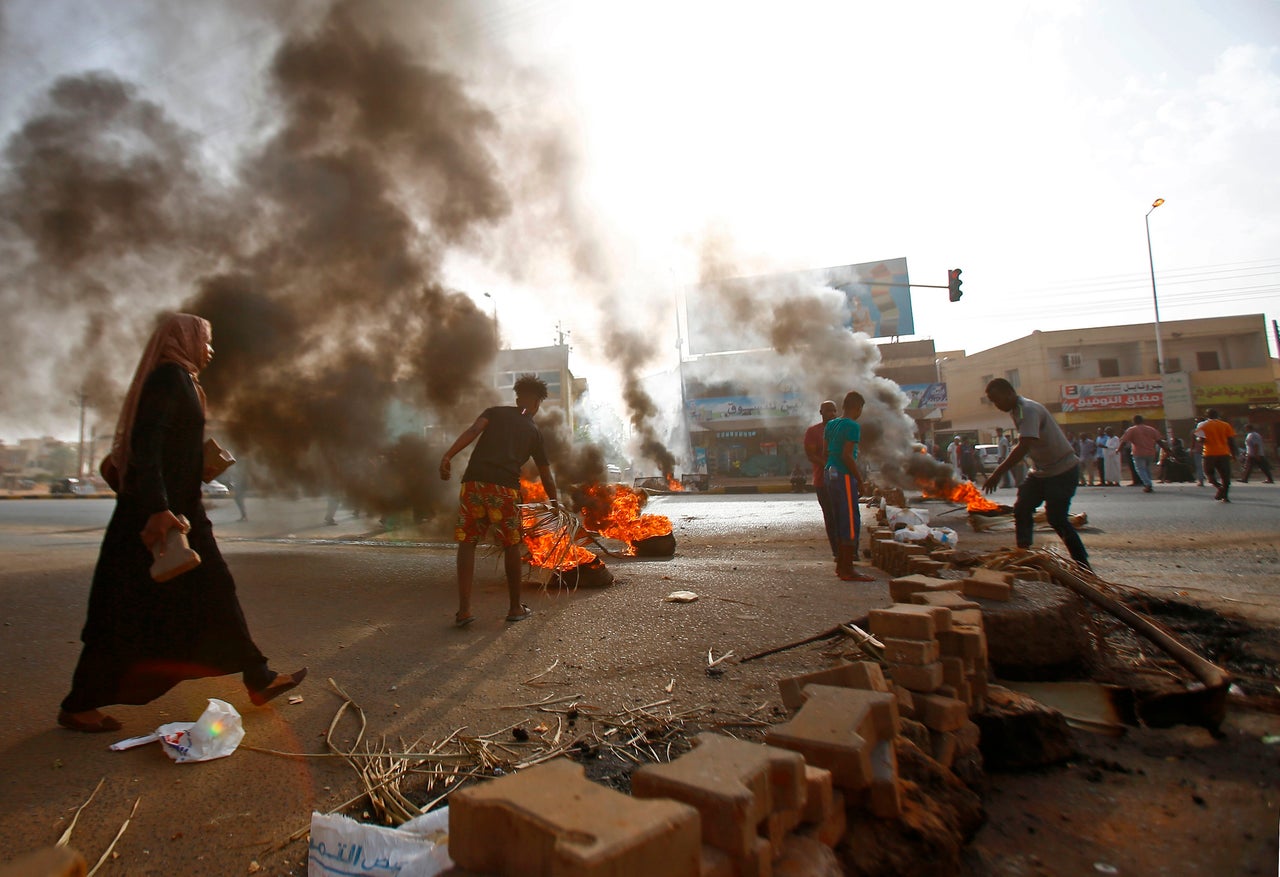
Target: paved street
<point x="371" y="610"/>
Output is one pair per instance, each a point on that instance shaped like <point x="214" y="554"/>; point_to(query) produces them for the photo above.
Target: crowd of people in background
<point x="1137" y="455"/>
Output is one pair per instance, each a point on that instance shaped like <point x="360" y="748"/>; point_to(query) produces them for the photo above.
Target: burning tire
<point x="657" y="546"/>
<point x="593" y="574"/>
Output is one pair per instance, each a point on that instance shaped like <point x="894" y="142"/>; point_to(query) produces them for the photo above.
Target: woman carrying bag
<point x="142" y="637"/>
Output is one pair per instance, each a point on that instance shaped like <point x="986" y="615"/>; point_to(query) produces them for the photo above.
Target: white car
<point x="988" y="457"/>
<point x="215" y="488"/>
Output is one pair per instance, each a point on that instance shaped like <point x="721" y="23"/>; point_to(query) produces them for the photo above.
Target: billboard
<point x="923" y="397"/>
<point x="733" y="314"/>
<point x="1112" y="396"/>
<point x="722" y="408"/>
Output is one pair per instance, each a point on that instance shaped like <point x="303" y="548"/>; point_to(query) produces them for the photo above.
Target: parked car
<point x="72" y="487"/>
<point x="988" y="457"/>
<point x="215" y="488"/>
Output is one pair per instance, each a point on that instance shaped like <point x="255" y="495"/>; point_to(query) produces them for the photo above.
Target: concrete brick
<point x="923" y="565"/>
<point x="885" y="795"/>
<point x="974" y="587"/>
<point x="735" y="785"/>
<point x="953" y="671"/>
<point x="978" y="684"/>
<point x="969" y="643"/>
<point x="818" y="797"/>
<point x="990" y="576"/>
<point x="859" y="674"/>
<point x="947" y="746"/>
<point x="778" y="824"/>
<point x="939" y="713"/>
<point x="552" y="820"/>
<point x="967" y="618"/>
<point x="945" y="690"/>
<point x="836" y="729"/>
<point x="909" y="621"/>
<point x="881" y="553"/>
<point x="917" y="677"/>
<point x="1028" y="574"/>
<point x="832" y="829"/>
<point x="906" y="703"/>
<point x="47" y="862"/>
<point x="902" y="587"/>
<point x="759" y="863"/>
<point x="911" y="651"/>
<point x="952" y="600"/>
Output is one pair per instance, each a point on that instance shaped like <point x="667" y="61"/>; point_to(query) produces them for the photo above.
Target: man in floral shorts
<point x="491" y="489"/>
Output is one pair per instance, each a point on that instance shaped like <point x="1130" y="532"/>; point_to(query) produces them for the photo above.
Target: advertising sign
<point x="1177" y="396"/>
<point x="925" y="396"/>
<point x="745" y="407"/>
<point x="1111" y="396"/>
<point x="1263" y="393"/>
<point x="732" y="314"/>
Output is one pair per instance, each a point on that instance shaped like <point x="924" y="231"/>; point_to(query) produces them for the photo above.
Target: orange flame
<point x="548" y="551"/>
<point x="614" y="510"/>
<point x="673" y="485"/>
<point x="965" y="492"/>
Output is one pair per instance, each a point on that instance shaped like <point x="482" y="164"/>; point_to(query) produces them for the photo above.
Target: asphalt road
<point x="372" y="611"/>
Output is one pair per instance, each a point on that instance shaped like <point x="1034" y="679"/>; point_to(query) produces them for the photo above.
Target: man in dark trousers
<point x="1055" y="476"/>
<point x="815" y="448"/>
<point x="491" y="489"/>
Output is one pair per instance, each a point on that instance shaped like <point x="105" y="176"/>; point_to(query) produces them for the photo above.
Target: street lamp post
<point x="1156" y="301"/>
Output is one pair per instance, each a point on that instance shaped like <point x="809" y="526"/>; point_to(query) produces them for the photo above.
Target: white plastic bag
<point x="908" y="517"/>
<point x="944" y="536"/>
<point x="216" y="734"/>
<point x="341" y="845"/>
<point x="916" y="533"/>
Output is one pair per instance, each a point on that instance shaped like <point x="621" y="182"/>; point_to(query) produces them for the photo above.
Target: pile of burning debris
<point x="556" y="537"/>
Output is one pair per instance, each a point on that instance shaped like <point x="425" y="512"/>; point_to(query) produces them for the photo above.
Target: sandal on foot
<point x="104" y="724"/>
<point x="272" y="691"/>
<point x="463" y="621"/>
<point x="524" y="613"/>
<point x="855" y="576"/>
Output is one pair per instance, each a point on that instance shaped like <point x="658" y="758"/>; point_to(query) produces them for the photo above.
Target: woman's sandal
<point x="524" y="613"/>
<point x="463" y="620"/>
<point x="272" y="691"/>
<point x="104" y="724"/>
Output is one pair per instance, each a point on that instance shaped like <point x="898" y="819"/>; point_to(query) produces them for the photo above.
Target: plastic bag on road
<point x="341" y="845"/>
<point x="914" y="533"/>
<point x="216" y="734"/>
<point x="908" y="517"/>
<point x="944" y="536"/>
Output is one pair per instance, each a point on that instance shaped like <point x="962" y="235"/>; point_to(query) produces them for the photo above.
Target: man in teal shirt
<point x="844" y="481"/>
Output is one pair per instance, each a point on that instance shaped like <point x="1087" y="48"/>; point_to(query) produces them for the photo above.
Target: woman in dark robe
<point x="141" y="638"/>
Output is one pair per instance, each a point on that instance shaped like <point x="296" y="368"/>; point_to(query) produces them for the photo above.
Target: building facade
<point x="1100" y="377"/>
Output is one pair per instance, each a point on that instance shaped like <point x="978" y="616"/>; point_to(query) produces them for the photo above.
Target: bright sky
<point x="1022" y="142"/>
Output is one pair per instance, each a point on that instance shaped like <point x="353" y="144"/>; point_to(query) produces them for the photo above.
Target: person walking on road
<point x="1253" y="455"/>
<point x="1219" y="447"/>
<point x="1002" y="451"/>
<point x="815" y="449"/>
<point x="1055" y="476"/>
<point x="1143" y="440"/>
<point x="140" y="639"/>
<point x="844" y="483"/>
<point x="490" y="490"/>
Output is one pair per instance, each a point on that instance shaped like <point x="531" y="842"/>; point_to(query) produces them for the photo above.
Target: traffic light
<point x="953" y="284"/>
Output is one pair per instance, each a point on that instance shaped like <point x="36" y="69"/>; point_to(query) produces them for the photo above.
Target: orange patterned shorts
<point x="481" y="506"/>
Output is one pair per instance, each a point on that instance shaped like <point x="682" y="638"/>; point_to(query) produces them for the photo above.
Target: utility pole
<point x="81" y="399"/>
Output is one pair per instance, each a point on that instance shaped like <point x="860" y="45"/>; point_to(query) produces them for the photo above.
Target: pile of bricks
<point x="936" y="656"/>
<point x="725" y="809"/>
<point x="729" y="807"/>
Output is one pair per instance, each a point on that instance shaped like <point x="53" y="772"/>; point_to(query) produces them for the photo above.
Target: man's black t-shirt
<point x="506" y="443"/>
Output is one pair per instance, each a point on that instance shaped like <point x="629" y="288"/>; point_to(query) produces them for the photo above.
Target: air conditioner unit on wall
<point x="1072" y="360"/>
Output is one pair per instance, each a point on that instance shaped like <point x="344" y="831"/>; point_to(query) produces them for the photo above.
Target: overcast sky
<point x="1022" y="142"/>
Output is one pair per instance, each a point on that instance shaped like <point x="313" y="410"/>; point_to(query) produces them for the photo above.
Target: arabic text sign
<point x="1113" y="395"/>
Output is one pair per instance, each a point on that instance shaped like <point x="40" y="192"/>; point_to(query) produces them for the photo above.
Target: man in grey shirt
<point x="1055" y="476"/>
